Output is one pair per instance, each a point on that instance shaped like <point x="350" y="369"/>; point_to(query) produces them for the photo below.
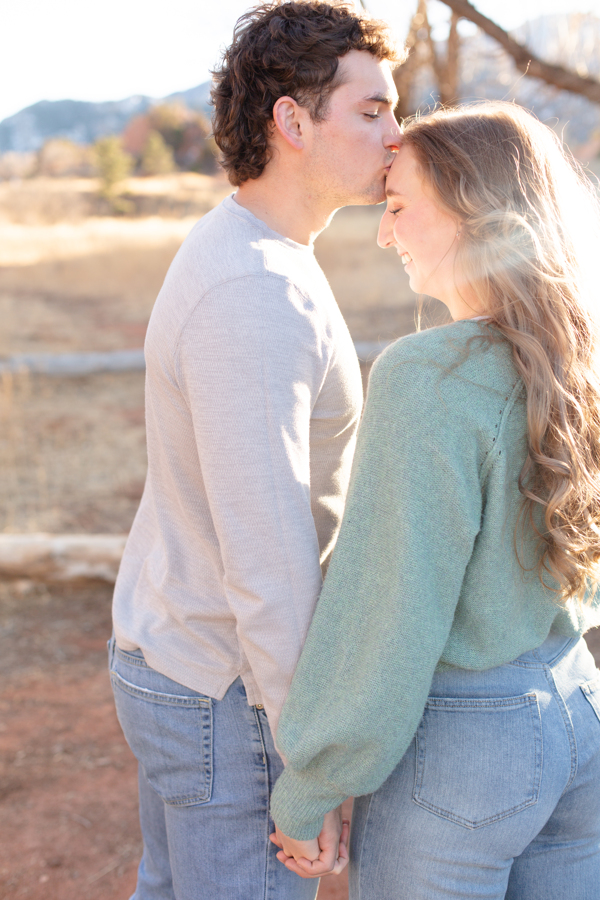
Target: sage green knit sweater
<point x="424" y="573"/>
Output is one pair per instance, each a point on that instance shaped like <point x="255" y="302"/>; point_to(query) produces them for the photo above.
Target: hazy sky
<point x="108" y="50"/>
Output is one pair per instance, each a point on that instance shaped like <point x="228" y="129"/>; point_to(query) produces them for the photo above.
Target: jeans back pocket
<point x="170" y="734"/>
<point x="478" y="760"/>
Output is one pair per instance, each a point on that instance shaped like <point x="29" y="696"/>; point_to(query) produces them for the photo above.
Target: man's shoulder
<point x="229" y="243"/>
<point x="233" y="266"/>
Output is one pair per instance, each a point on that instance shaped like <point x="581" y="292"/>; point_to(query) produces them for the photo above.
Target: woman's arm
<point x="387" y="606"/>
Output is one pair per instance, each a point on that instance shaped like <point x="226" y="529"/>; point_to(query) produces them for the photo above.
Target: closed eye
<point x="372" y="115"/>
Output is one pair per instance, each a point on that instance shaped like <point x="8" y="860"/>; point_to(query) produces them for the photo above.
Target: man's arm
<point x="250" y="363"/>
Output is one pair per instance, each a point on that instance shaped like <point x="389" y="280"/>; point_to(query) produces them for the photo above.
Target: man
<point x="253" y="395"/>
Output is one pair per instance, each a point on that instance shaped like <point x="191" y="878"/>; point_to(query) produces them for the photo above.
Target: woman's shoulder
<point x="456" y="377"/>
<point x="469" y="352"/>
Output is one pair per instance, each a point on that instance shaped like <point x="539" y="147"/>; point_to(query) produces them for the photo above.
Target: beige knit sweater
<point x="253" y="395"/>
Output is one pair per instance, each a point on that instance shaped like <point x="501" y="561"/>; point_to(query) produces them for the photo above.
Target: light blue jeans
<point x="498" y="795"/>
<point x="206" y="771"/>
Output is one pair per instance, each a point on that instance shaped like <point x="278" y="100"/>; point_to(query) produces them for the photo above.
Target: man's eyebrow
<point x="381" y="98"/>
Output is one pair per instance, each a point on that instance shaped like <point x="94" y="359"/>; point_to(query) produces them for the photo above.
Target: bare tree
<point x="404" y="74"/>
<point x="446" y="68"/>
<point x="525" y="60"/>
<point x="423" y="50"/>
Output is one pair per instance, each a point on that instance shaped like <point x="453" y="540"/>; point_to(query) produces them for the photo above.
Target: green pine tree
<point x="113" y="165"/>
<point x="157" y="158"/>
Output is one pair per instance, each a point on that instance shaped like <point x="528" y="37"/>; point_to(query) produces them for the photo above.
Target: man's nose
<point x="385" y="235"/>
<point x="392" y="134"/>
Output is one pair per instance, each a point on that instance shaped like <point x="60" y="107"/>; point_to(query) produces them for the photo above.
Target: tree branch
<point x="525" y="60"/>
<point x="404" y="74"/>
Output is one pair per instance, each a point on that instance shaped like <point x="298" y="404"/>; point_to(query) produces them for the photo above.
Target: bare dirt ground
<point x="68" y="827"/>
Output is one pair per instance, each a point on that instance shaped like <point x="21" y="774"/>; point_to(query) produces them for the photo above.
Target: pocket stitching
<point x="155" y="696"/>
<point x="528" y="701"/>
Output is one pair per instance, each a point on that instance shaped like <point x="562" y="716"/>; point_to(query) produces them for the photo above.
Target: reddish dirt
<point x="68" y="794"/>
<point x="68" y="782"/>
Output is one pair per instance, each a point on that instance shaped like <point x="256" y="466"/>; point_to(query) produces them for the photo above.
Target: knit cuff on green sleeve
<point x="298" y="804"/>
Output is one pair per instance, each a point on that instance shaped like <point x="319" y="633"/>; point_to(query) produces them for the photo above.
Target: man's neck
<point x="287" y="207"/>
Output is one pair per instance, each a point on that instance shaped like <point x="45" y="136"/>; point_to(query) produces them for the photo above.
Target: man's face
<point x="353" y="148"/>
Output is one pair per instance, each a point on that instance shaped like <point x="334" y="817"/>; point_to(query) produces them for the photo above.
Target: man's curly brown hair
<point x="284" y="49"/>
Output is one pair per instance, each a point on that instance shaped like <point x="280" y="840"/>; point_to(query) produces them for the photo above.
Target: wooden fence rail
<point x="77" y="364"/>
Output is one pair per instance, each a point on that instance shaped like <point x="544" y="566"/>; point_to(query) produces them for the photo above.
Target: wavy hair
<point x="284" y="49"/>
<point x="529" y="248"/>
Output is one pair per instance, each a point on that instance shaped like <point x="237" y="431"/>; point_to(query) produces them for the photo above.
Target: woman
<point x="444" y="682"/>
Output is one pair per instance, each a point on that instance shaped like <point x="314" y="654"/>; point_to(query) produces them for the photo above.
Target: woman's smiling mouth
<point x="406" y="258"/>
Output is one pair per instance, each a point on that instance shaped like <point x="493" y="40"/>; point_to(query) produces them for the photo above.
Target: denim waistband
<point x="554" y="648"/>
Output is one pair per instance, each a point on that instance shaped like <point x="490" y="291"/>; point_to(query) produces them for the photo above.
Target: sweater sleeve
<point x="250" y="364"/>
<point x="387" y="605"/>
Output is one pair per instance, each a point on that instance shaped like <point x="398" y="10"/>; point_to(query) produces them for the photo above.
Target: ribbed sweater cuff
<point x="298" y="804"/>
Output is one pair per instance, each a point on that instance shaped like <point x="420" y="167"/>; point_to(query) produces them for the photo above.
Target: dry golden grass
<point x="72" y="455"/>
<point x="45" y="201"/>
<point x="72" y="452"/>
<point x="87" y="287"/>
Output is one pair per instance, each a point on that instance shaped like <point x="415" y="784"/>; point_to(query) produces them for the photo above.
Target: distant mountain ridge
<point x="572" y="39"/>
<point x="82" y="121"/>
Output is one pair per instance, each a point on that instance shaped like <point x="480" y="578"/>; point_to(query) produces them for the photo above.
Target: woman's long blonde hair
<point x="530" y="248"/>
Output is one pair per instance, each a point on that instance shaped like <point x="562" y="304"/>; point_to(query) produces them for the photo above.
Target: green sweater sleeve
<point x="386" y="609"/>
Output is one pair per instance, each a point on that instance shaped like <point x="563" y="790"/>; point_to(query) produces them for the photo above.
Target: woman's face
<point x="424" y="235"/>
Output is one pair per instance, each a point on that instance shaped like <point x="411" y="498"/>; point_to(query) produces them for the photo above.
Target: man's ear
<point x="289" y="120"/>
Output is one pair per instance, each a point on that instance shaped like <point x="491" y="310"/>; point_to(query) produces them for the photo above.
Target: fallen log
<point x="78" y="364"/>
<point x="75" y="364"/>
<point x="61" y="557"/>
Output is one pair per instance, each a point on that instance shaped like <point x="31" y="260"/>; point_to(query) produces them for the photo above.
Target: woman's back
<point x="425" y="573"/>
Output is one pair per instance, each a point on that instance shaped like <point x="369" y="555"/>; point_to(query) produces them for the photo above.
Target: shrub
<point x="113" y="165"/>
<point x="157" y="158"/>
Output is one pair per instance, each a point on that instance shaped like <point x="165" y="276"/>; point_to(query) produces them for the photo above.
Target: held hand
<point x="292" y="849"/>
<point x="332" y="843"/>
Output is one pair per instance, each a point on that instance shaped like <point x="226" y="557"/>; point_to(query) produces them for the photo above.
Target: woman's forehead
<point x="405" y="175"/>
